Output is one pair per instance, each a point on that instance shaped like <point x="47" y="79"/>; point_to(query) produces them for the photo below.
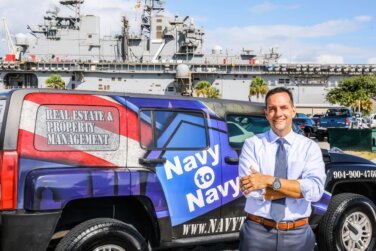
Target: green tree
<point x="212" y="92"/>
<point x="205" y="89"/>
<point x="55" y="82"/>
<point x="258" y="87"/>
<point x="356" y="92"/>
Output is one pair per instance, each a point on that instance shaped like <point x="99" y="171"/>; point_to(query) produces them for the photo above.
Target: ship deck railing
<point x="170" y="67"/>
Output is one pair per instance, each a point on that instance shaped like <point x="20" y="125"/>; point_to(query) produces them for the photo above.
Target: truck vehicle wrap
<point x="92" y="170"/>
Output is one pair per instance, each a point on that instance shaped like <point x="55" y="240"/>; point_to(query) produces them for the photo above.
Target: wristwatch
<point x="276" y="185"/>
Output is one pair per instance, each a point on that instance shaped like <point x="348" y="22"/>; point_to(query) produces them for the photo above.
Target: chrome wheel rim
<point x="356" y="232"/>
<point x="109" y="247"/>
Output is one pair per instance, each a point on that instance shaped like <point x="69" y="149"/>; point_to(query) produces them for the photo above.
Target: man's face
<point x="279" y="112"/>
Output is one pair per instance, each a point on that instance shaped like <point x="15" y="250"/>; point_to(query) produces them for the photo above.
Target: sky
<point x="304" y="31"/>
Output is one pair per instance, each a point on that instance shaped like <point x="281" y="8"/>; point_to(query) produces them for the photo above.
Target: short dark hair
<point x="278" y="90"/>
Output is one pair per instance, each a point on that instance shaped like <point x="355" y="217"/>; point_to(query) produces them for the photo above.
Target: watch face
<point x="276" y="184"/>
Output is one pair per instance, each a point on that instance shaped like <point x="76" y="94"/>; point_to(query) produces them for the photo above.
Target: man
<point x="281" y="174"/>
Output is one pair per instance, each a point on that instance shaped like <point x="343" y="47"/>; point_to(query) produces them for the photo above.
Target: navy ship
<point x="165" y="57"/>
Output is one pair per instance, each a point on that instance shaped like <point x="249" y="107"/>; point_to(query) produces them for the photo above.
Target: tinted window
<point x="234" y="129"/>
<point x="241" y="127"/>
<point x="173" y="130"/>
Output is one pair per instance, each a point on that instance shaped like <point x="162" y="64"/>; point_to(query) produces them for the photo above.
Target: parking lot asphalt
<point x="323" y="144"/>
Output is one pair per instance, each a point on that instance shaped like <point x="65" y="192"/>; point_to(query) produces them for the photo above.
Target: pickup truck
<point x="340" y="117"/>
<point x="117" y="171"/>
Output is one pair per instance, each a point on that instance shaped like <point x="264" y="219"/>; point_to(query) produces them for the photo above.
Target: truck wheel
<point x="348" y="224"/>
<point x="308" y="133"/>
<point x="320" y="136"/>
<point x="103" y="234"/>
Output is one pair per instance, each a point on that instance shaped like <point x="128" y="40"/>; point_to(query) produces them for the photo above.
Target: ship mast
<point x="76" y="5"/>
<point x="151" y="8"/>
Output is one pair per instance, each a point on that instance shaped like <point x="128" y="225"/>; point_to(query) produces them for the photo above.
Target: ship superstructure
<point x="166" y="57"/>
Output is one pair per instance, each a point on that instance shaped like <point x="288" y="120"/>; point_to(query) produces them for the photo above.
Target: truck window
<point x="173" y="130"/>
<point x="340" y="112"/>
<point x="241" y="127"/>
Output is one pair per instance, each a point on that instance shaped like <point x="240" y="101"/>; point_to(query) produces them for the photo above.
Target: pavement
<point x="323" y="144"/>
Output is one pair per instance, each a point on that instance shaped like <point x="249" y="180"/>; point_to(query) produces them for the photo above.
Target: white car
<point x="239" y="134"/>
<point x="373" y="121"/>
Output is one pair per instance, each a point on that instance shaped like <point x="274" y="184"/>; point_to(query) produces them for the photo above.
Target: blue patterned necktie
<point x="277" y="210"/>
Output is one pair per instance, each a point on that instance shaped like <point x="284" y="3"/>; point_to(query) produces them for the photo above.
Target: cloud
<point x="277" y="33"/>
<point x="372" y="60"/>
<point x="111" y="12"/>
<point x="298" y="43"/>
<point x="269" y="7"/>
<point x="264" y="7"/>
<point x="364" y="18"/>
<point x="20" y="13"/>
<point x="330" y="59"/>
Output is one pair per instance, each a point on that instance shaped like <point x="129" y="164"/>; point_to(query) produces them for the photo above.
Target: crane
<point x="8" y="38"/>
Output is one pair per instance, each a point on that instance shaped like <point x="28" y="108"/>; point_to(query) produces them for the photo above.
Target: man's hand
<point x="254" y="181"/>
<point x="270" y="194"/>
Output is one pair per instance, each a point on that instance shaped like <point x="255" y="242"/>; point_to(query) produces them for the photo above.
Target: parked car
<point x="296" y="128"/>
<point x="99" y="170"/>
<point x="316" y="118"/>
<point x="307" y="125"/>
<point x="339" y="117"/>
<point x="373" y="121"/>
<point x="360" y="123"/>
<point x="300" y="115"/>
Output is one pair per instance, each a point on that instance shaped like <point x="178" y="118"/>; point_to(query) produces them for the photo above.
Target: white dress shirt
<point x="305" y="164"/>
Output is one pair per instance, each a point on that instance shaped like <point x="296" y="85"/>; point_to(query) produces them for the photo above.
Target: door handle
<point x="230" y="160"/>
<point x="146" y="161"/>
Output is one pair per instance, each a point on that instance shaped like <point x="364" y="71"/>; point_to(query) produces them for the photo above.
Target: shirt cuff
<point x="305" y="189"/>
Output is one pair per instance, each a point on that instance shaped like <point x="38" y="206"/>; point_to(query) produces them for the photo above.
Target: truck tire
<point x="320" y="136"/>
<point x="308" y="132"/>
<point x="348" y="224"/>
<point x="103" y="234"/>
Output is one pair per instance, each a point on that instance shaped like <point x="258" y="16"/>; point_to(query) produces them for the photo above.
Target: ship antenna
<point x="76" y="5"/>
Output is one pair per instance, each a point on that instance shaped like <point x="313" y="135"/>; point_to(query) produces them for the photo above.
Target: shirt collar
<point x="289" y="137"/>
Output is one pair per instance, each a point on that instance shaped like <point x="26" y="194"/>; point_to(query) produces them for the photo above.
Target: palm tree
<point x="364" y="106"/>
<point x="55" y="82"/>
<point x="258" y="87"/>
<point x="205" y="89"/>
<point x="212" y="92"/>
<point x="201" y="88"/>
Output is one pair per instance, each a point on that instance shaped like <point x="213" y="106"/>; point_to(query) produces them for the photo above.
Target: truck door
<point x="183" y="151"/>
